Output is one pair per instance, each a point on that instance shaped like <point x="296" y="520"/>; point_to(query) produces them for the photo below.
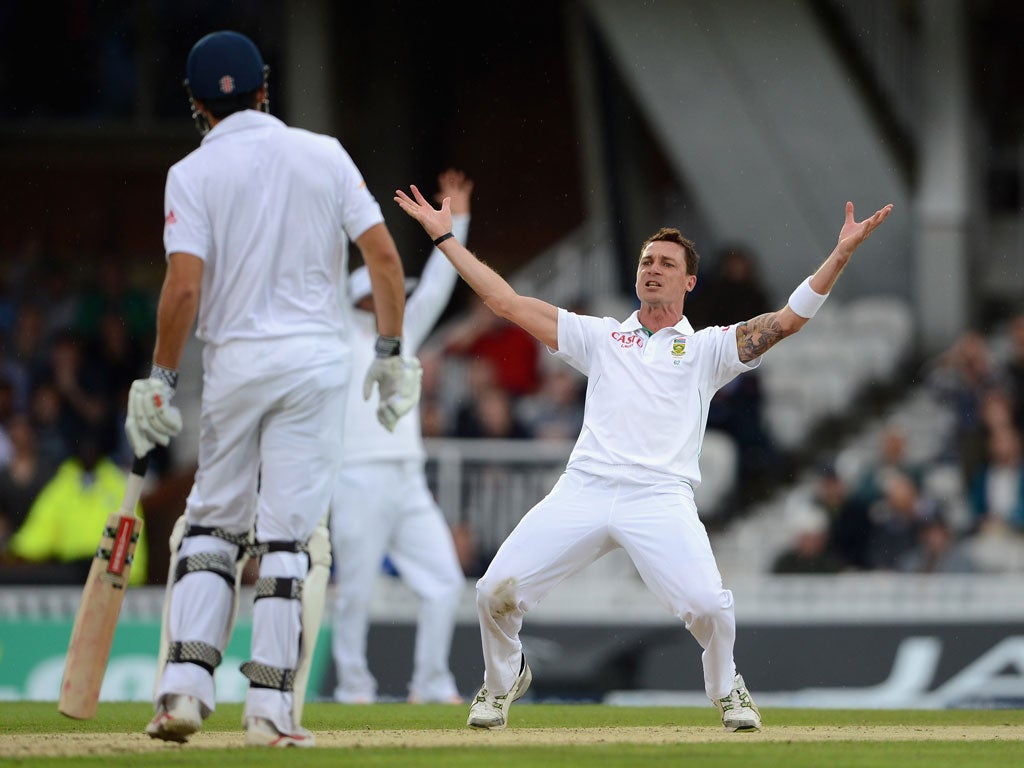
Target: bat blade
<point x="98" y="611"/>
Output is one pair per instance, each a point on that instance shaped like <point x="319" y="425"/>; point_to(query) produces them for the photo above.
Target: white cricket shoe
<point x="490" y="711"/>
<point x="260" y="732"/>
<point x="177" y="718"/>
<point x="739" y="712"/>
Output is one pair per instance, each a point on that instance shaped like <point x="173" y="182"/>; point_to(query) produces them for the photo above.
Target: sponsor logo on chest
<point x="628" y="340"/>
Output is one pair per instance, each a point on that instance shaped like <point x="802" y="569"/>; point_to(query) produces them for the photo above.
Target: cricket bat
<point x="96" y="620"/>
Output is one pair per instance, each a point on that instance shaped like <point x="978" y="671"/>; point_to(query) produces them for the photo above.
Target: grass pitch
<point x="388" y="735"/>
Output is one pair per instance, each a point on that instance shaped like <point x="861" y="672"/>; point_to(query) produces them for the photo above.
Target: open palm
<point x="855" y="232"/>
<point x="434" y="222"/>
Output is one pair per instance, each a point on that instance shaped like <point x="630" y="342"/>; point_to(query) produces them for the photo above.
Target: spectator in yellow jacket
<point x="65" y="521"/>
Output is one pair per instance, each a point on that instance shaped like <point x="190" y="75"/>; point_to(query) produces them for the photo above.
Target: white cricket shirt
<point x="364" y="439"/>
<point x="647" y="397"/>
<point x="269" y="209"/>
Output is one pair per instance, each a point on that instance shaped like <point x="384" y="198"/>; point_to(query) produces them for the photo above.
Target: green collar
<point x="646" y="330"/>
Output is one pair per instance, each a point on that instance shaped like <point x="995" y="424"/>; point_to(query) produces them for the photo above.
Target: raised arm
<point x="437" y="280"/>
<point x="536" y="317"/>
<point x="757" y="335"/>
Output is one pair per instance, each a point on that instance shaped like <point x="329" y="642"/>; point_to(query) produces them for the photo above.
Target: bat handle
<point x="134" y="487"/>
<point x="139" y="465"/>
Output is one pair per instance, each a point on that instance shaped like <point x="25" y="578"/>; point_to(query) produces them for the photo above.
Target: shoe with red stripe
<point x="260" y="732"/>
<point x="177" y="718"/>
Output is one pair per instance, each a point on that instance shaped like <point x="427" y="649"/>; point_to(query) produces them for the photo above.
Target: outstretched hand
<point x="855" y="232"/>
<point x="435" y="222"/>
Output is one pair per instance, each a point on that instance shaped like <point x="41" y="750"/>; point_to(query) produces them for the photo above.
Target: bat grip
<point x="139" y="465"/>
<point x="134" y="487"/>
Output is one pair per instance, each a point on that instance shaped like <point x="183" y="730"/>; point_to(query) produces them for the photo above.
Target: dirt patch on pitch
<point x="71" y="744"/>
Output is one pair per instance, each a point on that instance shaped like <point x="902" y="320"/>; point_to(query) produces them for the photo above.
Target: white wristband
<point x="805" y="301"/>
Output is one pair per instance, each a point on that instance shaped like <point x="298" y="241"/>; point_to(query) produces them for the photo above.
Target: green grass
<point x="119" y="719"/>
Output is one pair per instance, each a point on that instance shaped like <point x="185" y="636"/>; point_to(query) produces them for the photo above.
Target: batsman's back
<point x="267" y="208"/>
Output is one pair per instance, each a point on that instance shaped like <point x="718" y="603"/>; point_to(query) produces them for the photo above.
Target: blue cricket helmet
<point x="224" y="64"/>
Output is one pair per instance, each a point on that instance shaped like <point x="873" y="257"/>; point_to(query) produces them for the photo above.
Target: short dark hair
<point x="228" y="105"/>
<point x="673" y="235"/>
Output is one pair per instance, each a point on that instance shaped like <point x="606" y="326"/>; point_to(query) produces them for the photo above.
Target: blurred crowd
<point x="72" y="339"/>
<point x="69" y="350"/>
<point x="894" y="513"/>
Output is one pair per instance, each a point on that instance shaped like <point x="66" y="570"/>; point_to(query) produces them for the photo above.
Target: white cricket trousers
<point x="583" y="518"/>
<point x="270" y="441"/>
<point x="385" y="507"/>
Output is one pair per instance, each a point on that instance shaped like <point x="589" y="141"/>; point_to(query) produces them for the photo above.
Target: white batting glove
<point x="152" y="420"/>
<point x="399" y="381"/>
<point x="405" y="397"/>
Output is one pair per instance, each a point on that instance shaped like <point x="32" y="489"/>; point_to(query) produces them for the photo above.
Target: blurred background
<point x="863" y="489"/>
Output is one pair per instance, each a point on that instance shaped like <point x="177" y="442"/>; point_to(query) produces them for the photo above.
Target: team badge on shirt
<point x="678" y="349"/>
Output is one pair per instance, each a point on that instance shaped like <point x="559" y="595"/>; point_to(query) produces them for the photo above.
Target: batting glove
<point x="152" y="420"/>
<point x="398" y="380"/>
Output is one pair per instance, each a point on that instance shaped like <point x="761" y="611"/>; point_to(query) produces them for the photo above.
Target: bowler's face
<point x="661" y="274"/>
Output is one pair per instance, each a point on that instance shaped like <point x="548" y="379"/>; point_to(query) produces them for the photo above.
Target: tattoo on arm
<point x="757" y="336"/>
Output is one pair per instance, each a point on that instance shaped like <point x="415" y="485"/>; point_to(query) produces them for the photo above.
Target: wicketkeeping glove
<point x="399" y="381"/>
<point x="151" y="420"/>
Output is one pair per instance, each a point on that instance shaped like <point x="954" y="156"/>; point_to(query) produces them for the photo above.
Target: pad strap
<point x="195" y="652"/>
<point x="266" y="676"/>
<point x="278" y="586"/>
<point x="214" y="562"/>
<point x="260" y="548"/>
<point x="238" y="539"/>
